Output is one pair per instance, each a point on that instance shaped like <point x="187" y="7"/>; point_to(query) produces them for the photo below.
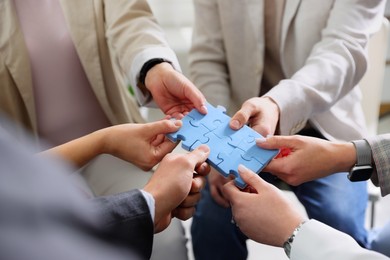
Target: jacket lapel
<point x="14" y="53"/>
<point x="82" y="28"/>
<point x="290" y="10"/>
<point x="255" y="9"/>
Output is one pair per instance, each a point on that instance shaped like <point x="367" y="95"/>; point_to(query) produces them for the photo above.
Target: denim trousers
<point x="379" y="239"/>
<point x="333" y="200"/>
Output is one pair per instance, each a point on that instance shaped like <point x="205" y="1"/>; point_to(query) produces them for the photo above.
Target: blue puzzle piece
<point x="215" y="117"/>
<point x="189" y="134"/>
<point x="216" y="145"/>
<point x="230" y="164"/>
<point x="228" y="148"/>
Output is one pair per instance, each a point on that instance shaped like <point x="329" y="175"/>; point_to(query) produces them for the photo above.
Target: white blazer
<point x="318" y="241"/>
<point x="323" y="56"/>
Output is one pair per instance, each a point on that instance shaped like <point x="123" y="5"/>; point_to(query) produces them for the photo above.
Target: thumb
<point x="273" y="142"/>
<point x="251" y="178"/>
<point x="199" y="155"/>
<point x="164" y="126"/>
<point x="240" y="118"/>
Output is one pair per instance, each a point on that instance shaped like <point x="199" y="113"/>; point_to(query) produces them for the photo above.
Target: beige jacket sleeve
<point x="135" y="37"/>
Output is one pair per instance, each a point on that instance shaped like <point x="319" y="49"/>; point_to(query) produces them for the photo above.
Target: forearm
<point x="343" y="156"/>
<point x="80" y="151"/>
<point x="135" y="37"/>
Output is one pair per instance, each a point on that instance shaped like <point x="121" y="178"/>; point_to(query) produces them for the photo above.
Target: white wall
<point x="176" y="17"/>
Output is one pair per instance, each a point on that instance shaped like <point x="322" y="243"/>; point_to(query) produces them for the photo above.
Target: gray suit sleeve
<point x="127" y="215"/>
<point x="380" y="146"/>
<point x="44" y="216"/>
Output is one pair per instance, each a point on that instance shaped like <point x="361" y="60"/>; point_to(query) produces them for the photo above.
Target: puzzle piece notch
<point x="228" y="148"/>
<point x="251" y="150"/>
<point x="187" y="134"/>
<point x="231" y="166"/>
<point x="215" y="117"/>
<point x="216" y="145"/>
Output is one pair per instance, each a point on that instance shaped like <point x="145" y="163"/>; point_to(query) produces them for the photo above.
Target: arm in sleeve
<point x="135" y="38"/>
<point x="316" y="240"/>
<point x="128" y="218"/>
<point x="334" y="66"/>
<point x="380" y="147"/>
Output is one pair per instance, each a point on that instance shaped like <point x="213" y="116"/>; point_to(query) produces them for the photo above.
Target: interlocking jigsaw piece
<point x="228" y="148"/>
<point x="189" y="134"/>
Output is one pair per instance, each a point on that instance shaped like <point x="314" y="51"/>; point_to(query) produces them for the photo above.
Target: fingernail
<point x="204" y="148"/>
<point x="235" y="124"/>
<point x="177" y="122"/>
<point x="204" y="108"/>
<point x="242" y="168"/>
<point x="261" y="140"/>
<point x="269" y="135"/>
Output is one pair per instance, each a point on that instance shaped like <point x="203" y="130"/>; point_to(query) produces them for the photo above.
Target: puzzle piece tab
<point x="228" y="148"/>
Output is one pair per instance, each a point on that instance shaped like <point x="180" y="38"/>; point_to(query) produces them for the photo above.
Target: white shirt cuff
<point x="150" y="201"/>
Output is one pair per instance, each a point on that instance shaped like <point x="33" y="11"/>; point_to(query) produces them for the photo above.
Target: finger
<point x="274" y="142"/>
<point x="195" y="96"/>
<point x="283" y="143"/>
<point x="203" y="169"/>
<point x="164" y="126"/>
<point x="241" y="117"/>
<point x="251" y="178"/>
<point x="216" y="194"/>
<point x="167" y="146"/>
<point x="183" y="213"/>
<point x="177" y="115"/>
<point x="158" y="140"/>
<point x="198" y="183"/>
<point x="190" y="201"/>
<point x="229" y="190"/>
<point x="262" y="124"/>
<point x="199" y="155"/>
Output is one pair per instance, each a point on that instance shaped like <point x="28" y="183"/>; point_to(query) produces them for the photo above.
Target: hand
<point x="144" y="145"/>
<point x="172" y="183"/>
<point x="173" y="92"/>
<point x="262" y="114"/>
<point x="309" y="158"/>
<point x="187" y="208"/>
<point x="216" y="183"/>
<point x="264" y="215"/>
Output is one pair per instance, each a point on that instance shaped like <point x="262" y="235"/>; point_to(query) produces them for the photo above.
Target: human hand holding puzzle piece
<point x="228" y="148"/>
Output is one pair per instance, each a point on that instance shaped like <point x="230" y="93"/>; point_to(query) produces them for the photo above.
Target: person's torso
<point x="65" y="104"/>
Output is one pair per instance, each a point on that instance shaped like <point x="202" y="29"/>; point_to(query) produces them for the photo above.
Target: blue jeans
<point x="380" y="239"/>
<point x="333" y="200"/>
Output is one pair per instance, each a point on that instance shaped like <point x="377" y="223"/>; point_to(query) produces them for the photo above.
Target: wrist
<point x="149" y="67"/>
<point x="275" y="112"/>
<point x="363" y="169"/>
<point x="102" y="143"/>
<point x="273" y="105"/>
<point x="159" y="203"/>
<point x="344" y="156"/>
<point x="287" y="245"/>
